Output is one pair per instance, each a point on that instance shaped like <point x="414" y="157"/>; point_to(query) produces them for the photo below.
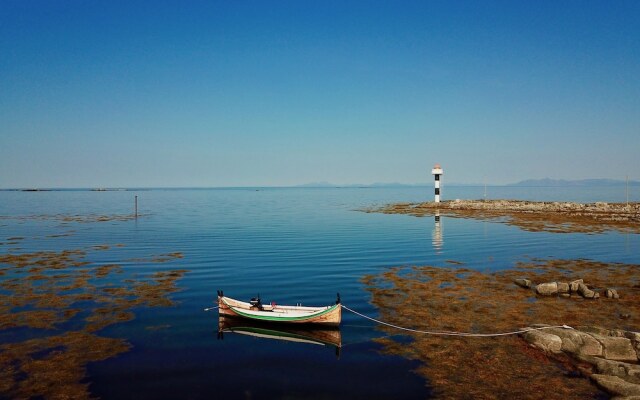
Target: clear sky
<point x="242" y="93"/>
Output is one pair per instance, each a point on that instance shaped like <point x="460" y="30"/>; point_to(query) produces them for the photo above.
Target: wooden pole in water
<point x="136" y="207"/>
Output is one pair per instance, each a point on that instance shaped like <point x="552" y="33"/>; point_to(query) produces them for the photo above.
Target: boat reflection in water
<point x="309" y="334"/>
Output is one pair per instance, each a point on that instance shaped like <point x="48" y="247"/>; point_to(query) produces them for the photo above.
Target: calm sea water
<point x="289" y="245"/>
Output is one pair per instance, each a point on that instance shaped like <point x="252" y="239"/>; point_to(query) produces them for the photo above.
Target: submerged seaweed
<point x="465" y="300"/>
<point x="65" y="302"/>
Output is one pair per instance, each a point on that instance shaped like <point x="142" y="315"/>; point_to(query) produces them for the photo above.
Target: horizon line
<point x="312" y="185"/>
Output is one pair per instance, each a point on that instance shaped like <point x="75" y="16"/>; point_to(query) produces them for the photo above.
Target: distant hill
<point x="582" y="182"/>
<point x="316" y="184"/>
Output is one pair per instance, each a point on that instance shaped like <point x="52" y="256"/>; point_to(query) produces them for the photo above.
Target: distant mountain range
<point x="582" y="182"/>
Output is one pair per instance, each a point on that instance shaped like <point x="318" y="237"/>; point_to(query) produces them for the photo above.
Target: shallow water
<point x="290" y="245"/>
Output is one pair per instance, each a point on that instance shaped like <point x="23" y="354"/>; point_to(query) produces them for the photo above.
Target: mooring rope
<point x="448" y="333"/>
<point x="211" y="308"/>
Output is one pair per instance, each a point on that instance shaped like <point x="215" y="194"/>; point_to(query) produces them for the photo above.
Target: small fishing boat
<point x="254" y="309"/>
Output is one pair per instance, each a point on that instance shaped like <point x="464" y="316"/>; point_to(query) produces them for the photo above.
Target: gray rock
<point x="629" y="372"/>
<point x="563" y="287"/>
<point x="587" y="293"/>
<point x="577" y="343"/>
<point x="547" y="289"/>
<point x="612" y="294"/>
<point x="635" y="341"/>
<point x="617" y="348"/>
<point x="595" y="330"/>
<point x="616" y="385"/>
<point x="525" y="283"/>
<point x="544" y="341"/>
<point x="573" y="286"/>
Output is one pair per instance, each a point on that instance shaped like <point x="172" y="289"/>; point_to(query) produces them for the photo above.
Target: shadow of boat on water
<point x="314" y="335"/>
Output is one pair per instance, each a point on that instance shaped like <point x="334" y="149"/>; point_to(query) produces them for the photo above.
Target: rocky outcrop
<point x="618" y="348"/>
<point x="600" y="210"/>
<point x="612" y="294"/>
<point x="612" y="354"/>
<point x="565" y="289"/>
<point x="587" y="293"/>
<point x="547" y="289"/>
<point x="573" y="286"/>
<point x="578" y="342"/>
<point x="534" y="216"/>
<point x="616" y="386"/>
<point x="524" y="283"/>
<point x="547" y="342"/>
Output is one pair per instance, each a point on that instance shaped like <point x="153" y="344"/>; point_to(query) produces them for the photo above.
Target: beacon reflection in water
<point x="436" y="235"/>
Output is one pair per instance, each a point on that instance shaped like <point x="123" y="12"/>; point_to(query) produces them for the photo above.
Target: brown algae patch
<point x="465" y="300"/>
<point x="160" y="258"/>
<point x="66" y="218"/>
<point x="15" y="238"/>
<point x="54" y="367"/>
<point x="558" y="217"/>
<point x="58" y="235"/>
<point x="48" y="291"/>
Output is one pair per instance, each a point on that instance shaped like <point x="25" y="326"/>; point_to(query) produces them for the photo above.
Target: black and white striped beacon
<point x="436" y="172"/>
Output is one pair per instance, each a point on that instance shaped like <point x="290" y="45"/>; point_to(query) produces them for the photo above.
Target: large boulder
<point x="573" y="285"/>
<point x="587" y="293"/>
<point x="547" y="342"/>
<point x="617" y="348"/>
<point x="547" y="289"/>
<point x="577" y="343"/>
<point x="616" y="385"/>
<point x="629" y="372"/>
<point x="563" y="287"/>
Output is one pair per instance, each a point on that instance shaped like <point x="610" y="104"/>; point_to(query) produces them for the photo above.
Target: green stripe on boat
<point x="268" y="318"/>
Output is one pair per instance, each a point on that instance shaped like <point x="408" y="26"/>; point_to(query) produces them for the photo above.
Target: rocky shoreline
<point x="550" y="216"/>
<point x="609" y="357"/>
<point x="596" y="360"/>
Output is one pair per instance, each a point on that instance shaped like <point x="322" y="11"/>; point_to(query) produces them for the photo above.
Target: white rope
<point x="211" y="308"/>
<point x="447" y="333"/>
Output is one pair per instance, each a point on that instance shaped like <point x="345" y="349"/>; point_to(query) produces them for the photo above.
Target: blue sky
<point x="238" y="93"/>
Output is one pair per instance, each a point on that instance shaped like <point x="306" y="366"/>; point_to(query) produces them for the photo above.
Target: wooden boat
<point x="275" y="313"/>
<point x="310" y="334"/>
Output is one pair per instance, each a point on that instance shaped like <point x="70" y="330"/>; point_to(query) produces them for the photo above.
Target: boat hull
<point x="329" y="315"/>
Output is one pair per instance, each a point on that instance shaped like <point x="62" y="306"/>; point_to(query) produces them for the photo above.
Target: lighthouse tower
<point x="436" y="172"/>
